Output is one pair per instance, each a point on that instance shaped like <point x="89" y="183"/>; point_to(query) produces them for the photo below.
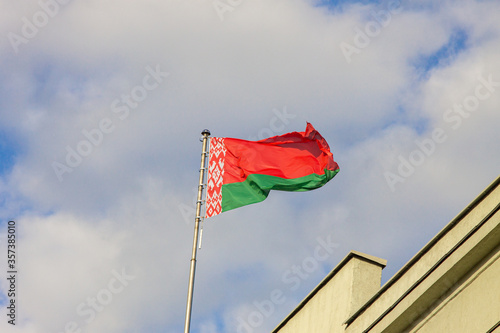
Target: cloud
<point x="127" y="202"/>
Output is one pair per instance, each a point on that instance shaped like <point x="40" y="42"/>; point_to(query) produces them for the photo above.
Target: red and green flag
<point x="242" y="172"/>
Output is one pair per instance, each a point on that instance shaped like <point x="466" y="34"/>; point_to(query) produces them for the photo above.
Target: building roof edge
<point x="426" y="248"/>
<point x="352" y="254"/>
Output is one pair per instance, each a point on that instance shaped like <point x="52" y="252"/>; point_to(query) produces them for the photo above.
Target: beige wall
<point x="451" y="286"/>
<point x="474" y="306"/>
<point x="460" y="249"/>
<point x="343" y="291"/>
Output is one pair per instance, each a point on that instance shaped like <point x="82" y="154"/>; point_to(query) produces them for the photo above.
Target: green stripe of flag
<point x="256" y="188"/>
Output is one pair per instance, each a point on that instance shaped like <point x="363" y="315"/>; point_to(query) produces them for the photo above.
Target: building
<point x="451" y="285"/>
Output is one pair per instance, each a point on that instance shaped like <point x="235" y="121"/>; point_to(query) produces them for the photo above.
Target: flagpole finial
<point x="205" y="132"/>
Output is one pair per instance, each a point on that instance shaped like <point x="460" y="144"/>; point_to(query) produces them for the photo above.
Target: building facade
<point x="451" y="285"/>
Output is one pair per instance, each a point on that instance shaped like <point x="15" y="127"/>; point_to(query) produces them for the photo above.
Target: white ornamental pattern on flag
<point x="217" y="155"/>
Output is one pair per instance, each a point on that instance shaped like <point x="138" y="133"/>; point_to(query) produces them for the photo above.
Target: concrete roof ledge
<point x="351" y="284"/>
<point x="363" y="256"/>
<point x="435" y="269"/>
<point x="444" y="274"/>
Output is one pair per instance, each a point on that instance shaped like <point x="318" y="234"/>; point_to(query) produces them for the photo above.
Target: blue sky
<point x="445" y="55"/>
<point x="102" y="108"/>
<point x="8" y="152"/>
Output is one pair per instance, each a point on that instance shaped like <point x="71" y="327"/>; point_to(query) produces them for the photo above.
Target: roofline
<point x="352" y="254"/>
<point x="426" y="248"/>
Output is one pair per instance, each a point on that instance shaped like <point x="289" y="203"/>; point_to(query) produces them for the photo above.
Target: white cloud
<point x="122" y="205"/>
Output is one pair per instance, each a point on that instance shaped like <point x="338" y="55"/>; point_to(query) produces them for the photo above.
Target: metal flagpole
<point x="206" y="134"/>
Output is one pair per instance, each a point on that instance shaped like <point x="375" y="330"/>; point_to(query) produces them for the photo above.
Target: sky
<point x="102" y="105"/>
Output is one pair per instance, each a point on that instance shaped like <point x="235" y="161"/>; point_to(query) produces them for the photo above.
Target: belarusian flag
<point x="242" y="172"/>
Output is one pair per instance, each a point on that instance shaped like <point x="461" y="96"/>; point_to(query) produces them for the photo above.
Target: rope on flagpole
<point x="198" y="219"/>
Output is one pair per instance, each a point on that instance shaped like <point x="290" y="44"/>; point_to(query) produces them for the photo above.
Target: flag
<point x="242" y="172"/>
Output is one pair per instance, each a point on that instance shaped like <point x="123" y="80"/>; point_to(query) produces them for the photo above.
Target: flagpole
<point x="206" y="134"/>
